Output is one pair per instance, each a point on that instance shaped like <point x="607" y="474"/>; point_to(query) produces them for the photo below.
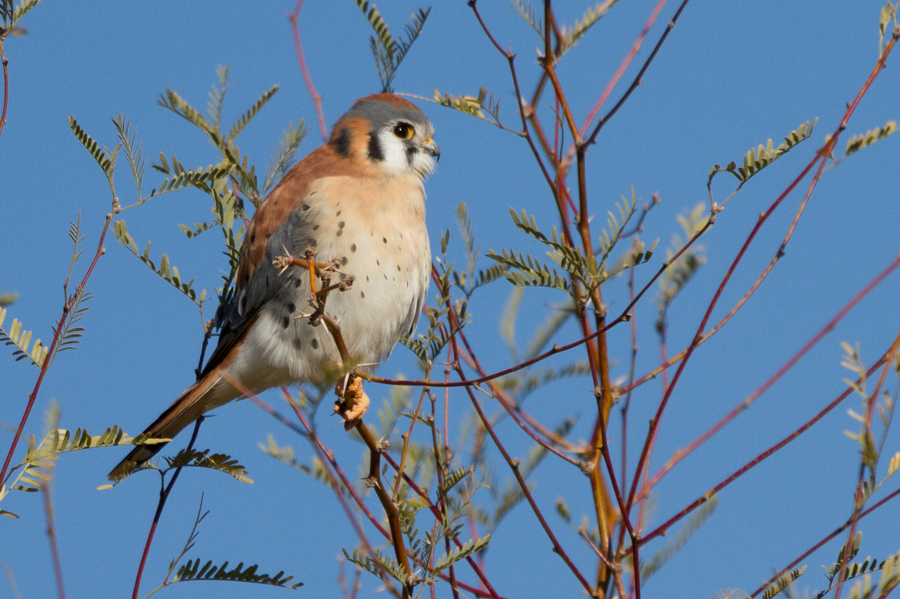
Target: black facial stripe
<point x="342" y="142"/>
<point x="411" y="151"/>
<point x="375" y="151"/>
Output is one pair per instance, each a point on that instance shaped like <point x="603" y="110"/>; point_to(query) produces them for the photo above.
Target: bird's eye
<point x="404" y="131"/>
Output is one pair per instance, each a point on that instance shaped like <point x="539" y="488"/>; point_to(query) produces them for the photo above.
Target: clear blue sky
<point x="731" y="75"/>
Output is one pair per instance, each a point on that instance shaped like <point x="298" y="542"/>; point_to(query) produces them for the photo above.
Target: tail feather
<point x="185" y="410"/>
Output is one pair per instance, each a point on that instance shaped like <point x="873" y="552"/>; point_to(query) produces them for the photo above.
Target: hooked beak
<point x="431" y="148"/>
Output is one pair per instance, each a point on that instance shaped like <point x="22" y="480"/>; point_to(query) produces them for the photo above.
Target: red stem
<point x="5" y="62"/>
<point x="317" y="99"/>
<point x="51" y="351"/>
<point x="661" y="530"/>
<point x="163" y="497"/>
<point x="680" y="455"/>
<point x="821" y="543"/>
<point x="621" y="70"/>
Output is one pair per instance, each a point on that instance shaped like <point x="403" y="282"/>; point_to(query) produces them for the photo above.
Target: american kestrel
<point x="358" y="200"/>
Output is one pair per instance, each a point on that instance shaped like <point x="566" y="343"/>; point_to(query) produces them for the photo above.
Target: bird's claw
<point x="352" y="402"/>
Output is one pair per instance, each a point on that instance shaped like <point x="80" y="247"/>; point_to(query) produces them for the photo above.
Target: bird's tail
<point x="186" y="409"/>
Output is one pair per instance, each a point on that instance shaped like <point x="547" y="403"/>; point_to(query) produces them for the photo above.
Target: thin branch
<point x="316" y="98"/>
<point x="514" y="465"/>
<point x="163" y="497"/>
<point x="661" y="530"/>
<point x="637" y="80"/>
<point x="51" y="350"/>
<point x="5" y="62"/>
<point x="47" y="489"/>
<point x="328" y="456"/>
<point x="821" y="158"/>
<point x="556" y="349"/>
<point x="829" y="326"/>
<point x="859" y="496"/>
<point x="822" y="543"/>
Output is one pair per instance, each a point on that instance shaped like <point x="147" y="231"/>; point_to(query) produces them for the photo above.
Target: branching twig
<point x="821" y="158"/>
<point x="67" y="313"/>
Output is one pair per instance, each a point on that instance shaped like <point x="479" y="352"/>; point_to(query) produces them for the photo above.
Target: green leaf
<point x="593" y="15"/>
<point x="858" y="142"/>
<point x="698" y="519"/>
<point x="165" y="271"/>
<point x="21" y="340"/>
<point x="782" y="582"/>
<point x="251" y="112"/>
<point x="192" y="570"/>
<point x="451" y="479"/>
<point x="762" y="156"/>
<point x="107" y="163"/>
<point x="202" y="459"/>
<point x="388" y="51"/>
<point x="179" y="106"/>
<point x="133" y="152"/>
<point x="378" y="565"/>
<point x="7" y="299"/>
<point x="216" y="103"/>
<point x="11" y="15"/>
<point x="283" y="156"/>
<point x="526" y="271"/>
<point x="529" y="14"/>
<point x="201" y="177"/>
<point x="460" y="553"/>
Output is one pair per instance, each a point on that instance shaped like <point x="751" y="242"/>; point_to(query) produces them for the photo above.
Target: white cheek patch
<point x="394" y="154"/>
<point x="397" y="161"/>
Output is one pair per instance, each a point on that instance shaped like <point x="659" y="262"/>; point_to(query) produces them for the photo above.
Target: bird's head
<point x="389" y="134"/>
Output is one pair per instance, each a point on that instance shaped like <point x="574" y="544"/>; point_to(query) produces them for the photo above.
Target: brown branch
<point x="298" y="47"/>
<point x="328" y="457"/>
<point x="556" y="349"/>
<point x="510" y="58"/>
<point x="514" y="465"/>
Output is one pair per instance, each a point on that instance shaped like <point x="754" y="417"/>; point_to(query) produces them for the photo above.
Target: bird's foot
<point x="352" y="402"/>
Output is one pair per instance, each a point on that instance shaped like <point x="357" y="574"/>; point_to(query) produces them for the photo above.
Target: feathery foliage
<point x="591" y="17"/>
<point x="387" y="50"/>
<point x="192" y="570"/>
<point x="698" y="518"/>
<point x="783" y="582"/>
<point x="20" y="339"/>
<point x="682" y="270"/>
<point x="756" y="159"/>
<point x="105" y="158"/>
<point x="195" y="458"/>
<point x="858" y="142"/>
<point x="165" y="270"/>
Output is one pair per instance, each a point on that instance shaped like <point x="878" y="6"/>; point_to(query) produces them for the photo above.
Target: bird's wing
<point x="286" y="220"/>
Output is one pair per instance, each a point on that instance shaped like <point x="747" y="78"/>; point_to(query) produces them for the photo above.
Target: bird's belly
<point x="390" y="262"/>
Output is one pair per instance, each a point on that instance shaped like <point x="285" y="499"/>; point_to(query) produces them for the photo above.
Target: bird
<point x="357" y="202"/>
